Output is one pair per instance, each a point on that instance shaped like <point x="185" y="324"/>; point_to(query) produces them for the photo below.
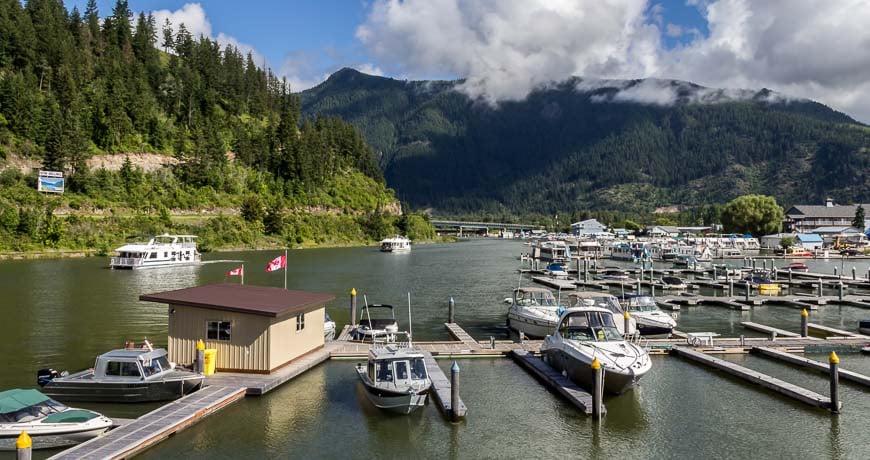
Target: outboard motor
<point x="44" y="376"/>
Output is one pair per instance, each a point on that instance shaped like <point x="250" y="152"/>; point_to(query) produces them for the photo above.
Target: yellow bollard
<point x="597" y="389"/>
<point x="352" y="306"/>
<point x="24" y="446"/>
<point x="834" y="361"/>
<point x="805" y="331"/>
<point x="626" y="323"/>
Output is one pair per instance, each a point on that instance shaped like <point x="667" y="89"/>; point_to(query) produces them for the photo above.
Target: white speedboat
<point x="160" y="251"/>
<point x="328" y="327"/>
<point x="397" y="243"/>
<point x="379" y="327"/>
<point x="651" y="321"/>
<point x="395" y="377"/>
<point x="586" y="333"/>
<point x="607" y="302"/>
<point x="128" y="375"/>
<point x="48" y="422"/>
<point x="533" y="311"/>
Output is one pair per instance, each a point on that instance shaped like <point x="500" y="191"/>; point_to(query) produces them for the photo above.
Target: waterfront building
<point x="802" y="218"/>
<point x="588" y="227"/>
<point x="254" y="329"/>
<point x="810" y="241"/>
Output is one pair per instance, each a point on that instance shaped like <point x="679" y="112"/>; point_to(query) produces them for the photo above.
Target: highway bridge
<point x="463" y="228"/>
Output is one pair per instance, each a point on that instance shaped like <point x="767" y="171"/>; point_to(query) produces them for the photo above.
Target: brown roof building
<point x="253" y="328"/>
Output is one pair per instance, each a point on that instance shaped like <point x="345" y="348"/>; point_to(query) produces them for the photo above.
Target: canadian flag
<point x="237" y="272"/>
<point x="277" y="263"/>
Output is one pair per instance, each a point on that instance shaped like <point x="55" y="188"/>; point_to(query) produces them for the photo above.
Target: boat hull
<point x="393" y="401"/>
<point x="155" y="265"/>
<point x="47" y="436"/>
<point x="654" y="331"/>
<point x="533" y="328"/>
<point x="580" y="372"/>
<point x="123" y="392"/>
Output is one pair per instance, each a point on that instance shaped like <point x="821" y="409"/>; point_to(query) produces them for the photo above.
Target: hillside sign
<point x="50" y="182"/>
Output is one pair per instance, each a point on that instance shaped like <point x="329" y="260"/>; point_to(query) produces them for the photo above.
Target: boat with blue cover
<point x="48" y="423"/>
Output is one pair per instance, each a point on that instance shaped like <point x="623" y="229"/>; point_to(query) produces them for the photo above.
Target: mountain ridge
<point x="672" y="142"/>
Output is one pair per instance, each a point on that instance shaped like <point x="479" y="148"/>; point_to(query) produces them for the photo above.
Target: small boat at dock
<point x="395" y="377"/>
<point x="586" y="333"/>
<point x="673" y="283"/>
<point x="371" y="329"/>
<point x="797" y="267"/>
<point x="127" y="375"/>
<point x="533" y="312"/>
<point x="48" y="423"/>
<point x="652" y="322"/>
<point x="328" y="327"/>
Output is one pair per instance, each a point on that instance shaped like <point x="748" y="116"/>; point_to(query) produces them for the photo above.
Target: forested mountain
<point x="73" y="84"/>
<point x="618" y="145"/>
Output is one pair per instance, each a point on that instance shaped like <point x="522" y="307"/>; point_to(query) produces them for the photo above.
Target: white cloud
<point x="507" y="48"/>
<point x="673" y="30"/>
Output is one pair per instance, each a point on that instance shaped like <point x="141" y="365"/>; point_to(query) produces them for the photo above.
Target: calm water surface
<point x="62" y="313"/>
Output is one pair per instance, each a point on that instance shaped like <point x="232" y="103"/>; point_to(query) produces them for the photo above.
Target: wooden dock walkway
<point x="768" y="329"/>
<point x="555" y="381"/>
<point x="824" y="368"/>
<point x="441" y="388"/>
<point x="153" y="427"/>
<point x="345" y="333"/>
<point x="834" y="331"/>
<point x="459" y="334"/>
<point x="258" y="384"/>
<point x="555" y="283"/>
<point x="772" y="383"/>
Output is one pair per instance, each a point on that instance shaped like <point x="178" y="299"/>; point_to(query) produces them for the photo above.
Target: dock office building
<point x="255" y="329"/>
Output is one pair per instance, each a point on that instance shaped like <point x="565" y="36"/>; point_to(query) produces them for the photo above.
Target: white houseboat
<point x="397" y="243"/>
<point x="160" y="251"/>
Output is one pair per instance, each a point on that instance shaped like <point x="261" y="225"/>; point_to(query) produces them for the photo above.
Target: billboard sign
<point x="50" y="181"/>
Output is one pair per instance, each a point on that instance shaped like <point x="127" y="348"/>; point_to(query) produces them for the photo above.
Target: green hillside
<point x="75" y="85"/>
<point x="564" y="148"/>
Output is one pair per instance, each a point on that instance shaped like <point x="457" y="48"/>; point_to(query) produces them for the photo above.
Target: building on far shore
<point x="802" y="218"/>
<point x="255" y="329"/>
<point x="588" y="227"/>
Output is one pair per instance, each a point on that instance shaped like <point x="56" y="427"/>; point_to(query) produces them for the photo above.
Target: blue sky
<point x="506" y="48"/>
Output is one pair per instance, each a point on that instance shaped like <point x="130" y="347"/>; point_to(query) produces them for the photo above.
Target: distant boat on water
<point x="160" y="251"/>
<point x="397" y="243"/>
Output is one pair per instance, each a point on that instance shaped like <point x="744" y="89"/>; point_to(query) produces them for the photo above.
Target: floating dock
<point x="834" y="331"/>
<point x="812" y="364"/>
<point x="259" y="384"/>
<point x="459" y="334"/>
<point x="155" y="426"/>
<point x="555" y="381"/>
<point x="768" y="329"/>
<point x="772" y="383"/>
<point x="441" y="388"/>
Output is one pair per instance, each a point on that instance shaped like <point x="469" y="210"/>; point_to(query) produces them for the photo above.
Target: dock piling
<point x="24" y="446"/>
<point x="597" y="390"/>
<point x="789" y="275"/>
<point x="451" y="306"/>
<point x="199" y="363"/>
<point x="730" y="288"/>
<point x="773" y="336"/>
<point x="835" y="271"/>
<point x="626" y="323"/>
<point x="821" y="289"/>
<point x="805" y="329"/>
<point x="834" y="361"/>
<point x="748" y="290"/>
<point x="764" y="264"/>
<point x="352" y="306"/>
<point x="841" y="291"/>
<point x="492" y="342"/>
<point x="454" y="392"/>
<point x="854" y="274"/>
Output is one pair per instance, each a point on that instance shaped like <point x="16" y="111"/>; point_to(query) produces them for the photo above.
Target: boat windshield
<point x="592" y="326"/>
<point x="532" y="298"/>
<point x="608" y="302"/>
<point x="32" y="412"/>
<point x="642" y="304"/>
<point x="418" y="369"/>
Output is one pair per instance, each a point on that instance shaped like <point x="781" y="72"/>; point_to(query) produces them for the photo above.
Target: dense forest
<point x="74" y="85"/>
<point x="575" y="151"/>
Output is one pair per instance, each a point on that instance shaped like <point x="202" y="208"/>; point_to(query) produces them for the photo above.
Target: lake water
<point x="62" y="313"/>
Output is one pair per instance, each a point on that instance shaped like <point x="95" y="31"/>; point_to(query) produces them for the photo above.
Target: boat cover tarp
<point x="15" y="400"/>
<point x="70" y="416"/>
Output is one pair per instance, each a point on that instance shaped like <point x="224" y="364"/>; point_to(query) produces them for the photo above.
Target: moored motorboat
<point x="128" y="375"/>
<point x="606" y="301"/>
<point x="378" y="328"/>
<point x="586" y="333"/>
<point x="673" y="283"/>
<point x="652" y="322"/>
<point x="395" y="377"/>
<point x="797" y="267"/>
<point x="48" y="423"/>
<point x="328" y="327"/>
<point x="533" y="311"/>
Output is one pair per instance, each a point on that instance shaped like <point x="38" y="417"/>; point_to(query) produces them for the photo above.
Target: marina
<point x="471" y="335"/>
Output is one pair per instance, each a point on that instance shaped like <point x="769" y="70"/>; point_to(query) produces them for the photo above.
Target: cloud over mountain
<point x="507" y="48"/>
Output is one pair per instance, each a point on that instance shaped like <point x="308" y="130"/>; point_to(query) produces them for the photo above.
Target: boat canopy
<point x="15" y="400"/>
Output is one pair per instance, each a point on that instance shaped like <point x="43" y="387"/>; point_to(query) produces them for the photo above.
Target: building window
<point x="300" y="322"/>
<point x="218" y="330"/>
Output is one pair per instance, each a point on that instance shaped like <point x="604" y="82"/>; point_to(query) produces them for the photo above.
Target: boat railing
<point x="636" y="339"/>
<point x="385" y="344"/>
<point x="127" y="261"/>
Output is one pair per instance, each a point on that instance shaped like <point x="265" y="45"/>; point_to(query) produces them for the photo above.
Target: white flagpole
<point x="243" y="274"/>
<point x="285" y="269"/>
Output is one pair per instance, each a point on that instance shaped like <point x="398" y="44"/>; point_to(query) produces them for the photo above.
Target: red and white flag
<point x="237" y="271"/>
<point x="277" y="263"/>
